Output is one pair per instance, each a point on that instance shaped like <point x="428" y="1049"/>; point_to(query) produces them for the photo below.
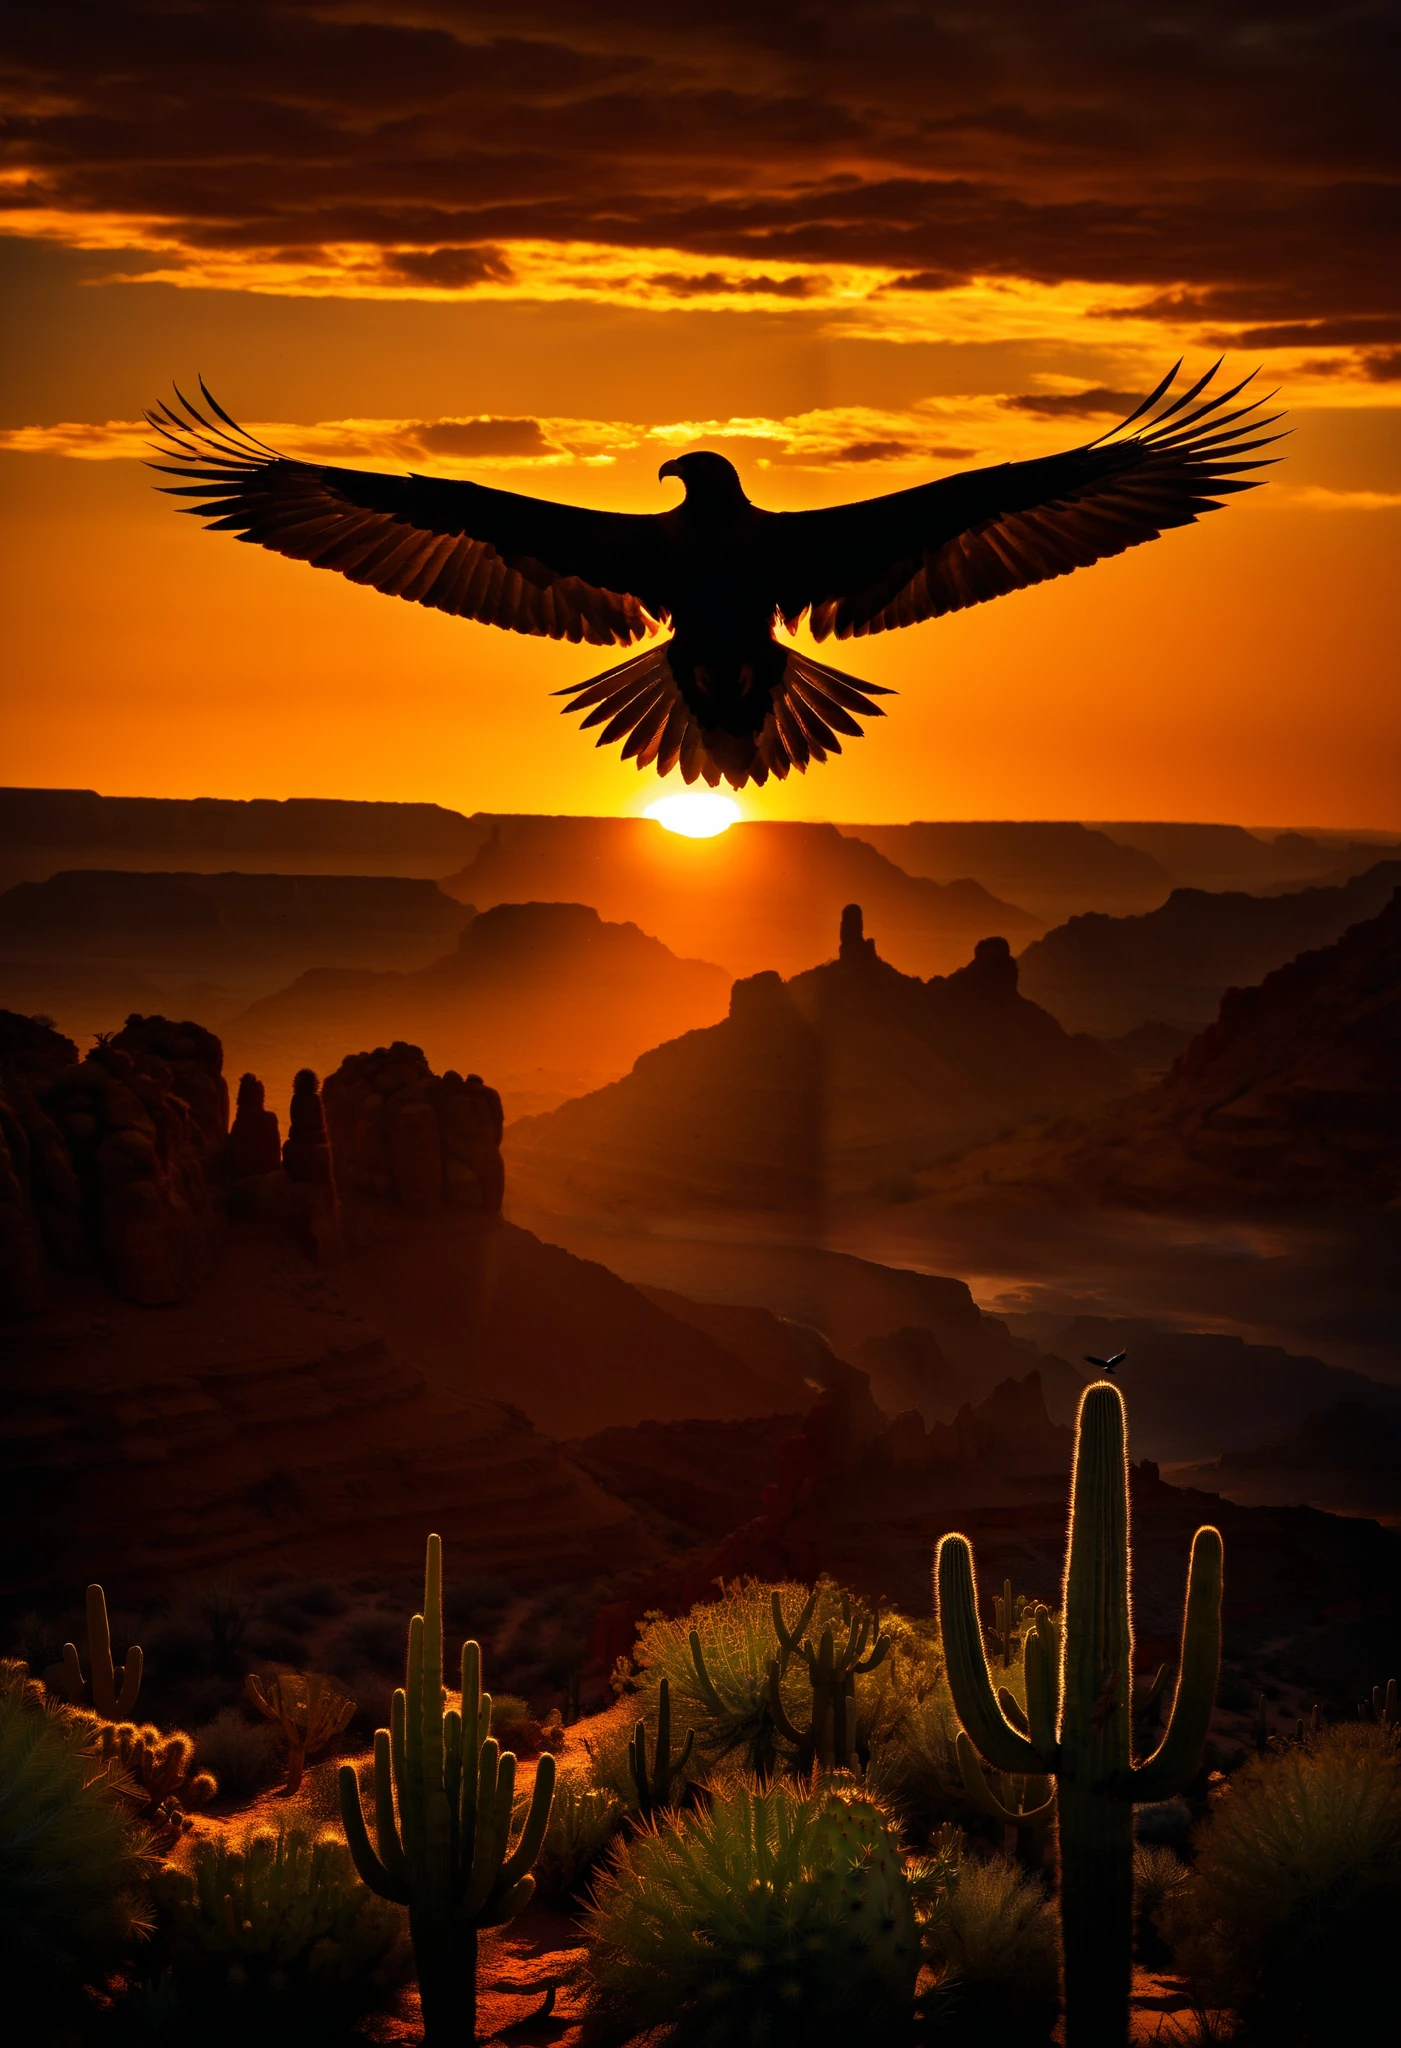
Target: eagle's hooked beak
<point x="672" y="468"/>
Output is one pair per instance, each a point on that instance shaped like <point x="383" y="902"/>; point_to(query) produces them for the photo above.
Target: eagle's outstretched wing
<point x="507" y="560"/>
<point x="916" y="554"/>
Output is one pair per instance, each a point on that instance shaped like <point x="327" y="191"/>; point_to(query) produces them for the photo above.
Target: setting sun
<point x="700" y="814"/>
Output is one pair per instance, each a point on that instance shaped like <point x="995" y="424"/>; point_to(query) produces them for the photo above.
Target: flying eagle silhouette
<point x="722" y="697"/>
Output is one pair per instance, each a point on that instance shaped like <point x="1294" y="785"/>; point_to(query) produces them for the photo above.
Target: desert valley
<point x="340" y="1201"/>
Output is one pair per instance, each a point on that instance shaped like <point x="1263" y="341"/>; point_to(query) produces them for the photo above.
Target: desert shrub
<point x="738" y="1642"/>
<point x="778" y="1917"/>
<point x="282" y="1928"/>
<point x="513" y="1724"/>
<point x="584" y="1818"/>
<point x="242" y="1757"/>
<point x="1167" y="1824"/>
<point x="1291" y="1913"/>
<point x="1158" y="1875"/>
<point x="72" y="1863"/>
<point x="990" y="1933"/>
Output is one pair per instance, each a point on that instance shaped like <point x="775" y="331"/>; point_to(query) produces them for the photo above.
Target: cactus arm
<point x="537" y="1819"/>
<point x="781" y="1718"/>
<point x="391" y="1851"/>
<point x="966" y="1660"/>
<point x="371" y="1870"/>
<point x="703" y="1678"/>
<point x="1013" y="1712"/>
<point x="1042" y="1685"/>
<point x="1178" y="1756"/>
<point x="131" y="1679"/>
<point x="879" y="1653"/>
<point x="74" y="1683"/>
<point x="790" y="1638"/>
<point x="970" y="1770"/>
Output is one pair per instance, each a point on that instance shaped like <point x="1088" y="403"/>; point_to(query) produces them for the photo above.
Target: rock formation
<point x="1172" y="965"/>
<point x="839" y="1084"/>
<point x="255" y="1143"/>
<point x="404" y="1134"/>
<point x="763" y="895"/>
<point x="187" y="1060"/>
<point x="113" y="1156"/>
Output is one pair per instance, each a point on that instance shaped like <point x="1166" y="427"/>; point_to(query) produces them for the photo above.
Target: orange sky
<point x="549" y="247"/>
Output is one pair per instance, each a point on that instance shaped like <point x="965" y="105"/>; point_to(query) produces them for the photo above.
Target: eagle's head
<point x="712" y="483"/>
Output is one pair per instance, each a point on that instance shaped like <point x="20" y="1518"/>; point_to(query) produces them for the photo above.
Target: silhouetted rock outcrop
<point x="189" y="1061"/>
<point x="255" y="1142"/>
<point x="837" y="1083"/>
<point x="114" y="1162"/>
<point x="402" y="1133"/>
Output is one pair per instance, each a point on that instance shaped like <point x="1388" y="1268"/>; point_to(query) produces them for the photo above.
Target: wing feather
<point x="941" y="547"/>
<point x="535" y="567"/>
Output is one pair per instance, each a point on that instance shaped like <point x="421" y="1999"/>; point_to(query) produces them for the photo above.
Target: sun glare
<point x="699" y="815"/>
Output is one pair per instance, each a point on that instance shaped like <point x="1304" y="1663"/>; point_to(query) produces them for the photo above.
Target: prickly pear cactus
<point x="860" y="1871"/>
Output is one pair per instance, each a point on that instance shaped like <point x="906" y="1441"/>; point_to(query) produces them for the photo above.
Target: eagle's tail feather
<point x="638" y="702"/>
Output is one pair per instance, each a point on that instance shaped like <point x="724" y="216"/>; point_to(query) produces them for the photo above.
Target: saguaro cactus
<point x="1077" y="1728"/>
<point x="113" y="1688"/>
<point x="654" y="1788"/>
<point x="447" y="1854"/>
<point x="830" y="1736"/>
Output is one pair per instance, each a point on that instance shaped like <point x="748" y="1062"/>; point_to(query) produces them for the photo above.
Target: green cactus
<point x="1077" y="1728"/>
<point x="1383" y="1707"/>
<point x="736" y="1692"/>
<point x="829" y="1740"/>
<point x="113" y="1688"/>
<point x="654" y="1789"/>
<point x="1008" y="1615"/>
<point x="447" y="1854"/>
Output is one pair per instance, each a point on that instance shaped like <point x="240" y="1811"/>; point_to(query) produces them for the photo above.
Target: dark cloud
<point x="448" y="268"/>
<point x="1091" y="404"/>
<point x="481" y="437"/>
<point x="1242" y="162"/>
<point x="870" y="451"/>
<point x="1382" y="365"/>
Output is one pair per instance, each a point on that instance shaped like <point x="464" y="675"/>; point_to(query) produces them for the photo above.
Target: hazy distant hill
<point x="86" y="946"/>
<point x="1172" y="965"/>
<point x="1053" y="869"/>
<point x="1191" y="1392"/>
<point x="761" y="896"/>
<point x="1292" y="1096"/>
<point x="834" y="1084"/>
<point x="1228" y="857"/>
<point x="1346" y="1459"/>
<point x="45" y="830"/>
<point x="544" y="998"/>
